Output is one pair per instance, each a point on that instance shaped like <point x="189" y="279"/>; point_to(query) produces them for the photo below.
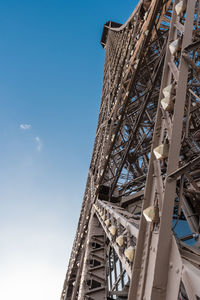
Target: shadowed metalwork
<point x="138" y="232"/>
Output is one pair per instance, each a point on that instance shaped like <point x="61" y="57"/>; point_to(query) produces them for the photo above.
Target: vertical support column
<point x="143" y="243"/>
<point x="93" y="284"/>
<point x="154" y="247"/>
<point x="165" y="232"/>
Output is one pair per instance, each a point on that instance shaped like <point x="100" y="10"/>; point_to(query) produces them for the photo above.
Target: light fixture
<point x="151" y="214"/>
<point x="103" y="217"/>
<point x="161" y="151"/>
<point x="112" y="230"/>
<point x="167" y="103"/>
<point x="180" y="7"/>
<point x="175" y="46"/>
<point x="129" y="253"/>
<point x="107" y="222"/>
<point x="167" y="90"/>
<point x="136" y="63"/>
<point x="120" y="240"/>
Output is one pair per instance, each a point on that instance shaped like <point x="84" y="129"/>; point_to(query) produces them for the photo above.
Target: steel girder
<point x="141" y="206"/>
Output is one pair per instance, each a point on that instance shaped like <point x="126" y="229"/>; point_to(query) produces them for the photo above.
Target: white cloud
<point x="39" y="143"/>
<point x="25" y="126"/>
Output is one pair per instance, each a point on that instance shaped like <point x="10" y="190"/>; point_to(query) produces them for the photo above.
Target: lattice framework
<point x="143" y="187"/>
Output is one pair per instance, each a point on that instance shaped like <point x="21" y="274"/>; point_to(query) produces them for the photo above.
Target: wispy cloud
<point x="39" y="143"/>
<point x="25" y="126"/>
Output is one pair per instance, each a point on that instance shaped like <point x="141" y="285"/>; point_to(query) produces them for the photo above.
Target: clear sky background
<point x="51" y="70"/>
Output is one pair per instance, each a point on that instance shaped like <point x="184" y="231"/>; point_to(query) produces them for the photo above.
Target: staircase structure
<point x="138" y="232"/>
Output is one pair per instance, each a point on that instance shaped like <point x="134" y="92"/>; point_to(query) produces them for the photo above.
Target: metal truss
<point x="138" y="232"/>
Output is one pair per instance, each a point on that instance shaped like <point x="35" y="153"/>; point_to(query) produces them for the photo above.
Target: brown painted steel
<point x="117" y="253"/>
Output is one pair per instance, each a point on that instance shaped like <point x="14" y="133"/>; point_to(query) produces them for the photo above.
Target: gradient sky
<point x="51" y="74"/>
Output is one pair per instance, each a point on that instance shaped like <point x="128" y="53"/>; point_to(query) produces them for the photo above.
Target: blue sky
<point x="51" y="64"/>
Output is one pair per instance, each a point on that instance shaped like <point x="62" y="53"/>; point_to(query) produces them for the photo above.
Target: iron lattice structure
<point x="138" y="232"/>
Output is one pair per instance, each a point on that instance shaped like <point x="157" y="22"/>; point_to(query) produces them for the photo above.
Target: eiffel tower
<point x="138" y="231"/>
